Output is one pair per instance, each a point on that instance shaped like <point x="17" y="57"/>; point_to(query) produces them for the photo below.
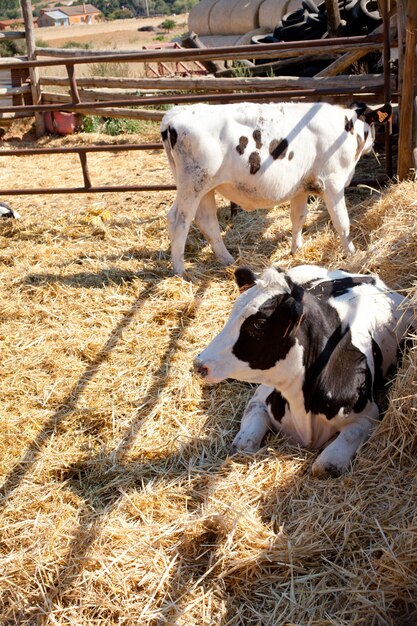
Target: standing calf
<point x="259" y="155"/>
<point x="318" y="342"/>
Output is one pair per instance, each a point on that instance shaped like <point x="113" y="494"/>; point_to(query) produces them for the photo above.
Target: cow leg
<point x="207" y="222"/>
<point x="255" y="422"/>
<point x="298" y="218"/>
<point x="334" y="197"/>
<point x="336" y="458"/>
<point x="179" y="222"/>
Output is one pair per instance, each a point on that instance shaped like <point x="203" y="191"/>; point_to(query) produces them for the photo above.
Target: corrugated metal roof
<point x="56" y="15"/>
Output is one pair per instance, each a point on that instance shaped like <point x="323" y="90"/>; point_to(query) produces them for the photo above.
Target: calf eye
<point x="259" y="324"/>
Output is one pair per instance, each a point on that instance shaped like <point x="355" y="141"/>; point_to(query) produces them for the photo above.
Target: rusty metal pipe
<point x="50" y="191"/>
<point x="81" y="149"/>
<point x="129" y="188"/>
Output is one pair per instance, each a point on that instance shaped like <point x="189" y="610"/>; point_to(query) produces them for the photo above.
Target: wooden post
<point x="407" y="141"/>
<point x="27" y="13"/>
<point x="333" y="17"/>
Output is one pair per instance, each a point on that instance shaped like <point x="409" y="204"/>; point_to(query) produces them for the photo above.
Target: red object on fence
<point x="60" y="122"/>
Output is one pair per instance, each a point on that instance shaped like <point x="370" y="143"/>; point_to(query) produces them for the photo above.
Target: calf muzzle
<point x="199" y="368"/>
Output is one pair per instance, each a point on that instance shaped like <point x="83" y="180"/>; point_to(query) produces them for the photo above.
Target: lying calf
<point x="318" y="342"/>
<point x="258" y="156"/>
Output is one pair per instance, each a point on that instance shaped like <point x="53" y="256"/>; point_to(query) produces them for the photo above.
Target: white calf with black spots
<point x="259" y="155"/>
<point x="319" y="343"/>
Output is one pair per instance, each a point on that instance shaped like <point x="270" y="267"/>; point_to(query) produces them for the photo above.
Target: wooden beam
<point x="117" y="112"/>
<point x="33" y="71"/>
<point x="281" y="50"/>
<point x="346" y="60"/>
<point x="14" y="91"/>
<point x="352" y="56"/>
<point x="333" y="17"/>
<point x="12" y="34"/>
<point x="209" y="83"/>
<point x="406" y="141"/>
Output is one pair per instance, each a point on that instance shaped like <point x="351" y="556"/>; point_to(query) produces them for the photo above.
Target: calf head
<point x="260" y="334"/>
<point x="369" y="117"/>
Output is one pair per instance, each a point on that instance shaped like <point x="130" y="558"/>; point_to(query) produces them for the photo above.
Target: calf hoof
<point x="350" y="249"/>
<point x="226" y="259"/>
<point x="243" y="443"/>
<point x="324" y="470"/>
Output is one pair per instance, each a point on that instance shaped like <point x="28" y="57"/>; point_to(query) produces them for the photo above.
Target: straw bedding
<point x="120" y="502"/>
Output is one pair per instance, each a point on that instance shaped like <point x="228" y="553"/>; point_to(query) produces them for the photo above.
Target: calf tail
<point x="169" y="139"/>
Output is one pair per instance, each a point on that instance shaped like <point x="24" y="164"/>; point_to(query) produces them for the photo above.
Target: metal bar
<point x="386" y="53"/>
<point x="82" y="149"/>
<point x="84" y="167"/>
<point x="73" y="83"/>
<point x="223" y="52"/>
<point x="129" y="188"/>
<point x="269" y="96"/>
<point x="59" y="190"/>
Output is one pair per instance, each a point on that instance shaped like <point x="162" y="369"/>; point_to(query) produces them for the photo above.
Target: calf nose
<point x="199" y="368"/>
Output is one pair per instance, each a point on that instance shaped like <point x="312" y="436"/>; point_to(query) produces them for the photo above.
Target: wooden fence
<point x="132" y="97"/>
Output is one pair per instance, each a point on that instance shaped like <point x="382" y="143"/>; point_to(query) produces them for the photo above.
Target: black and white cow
<point x="318" y="342"/>
<point x="259" y="155"/>
<point x="7" y="211"/>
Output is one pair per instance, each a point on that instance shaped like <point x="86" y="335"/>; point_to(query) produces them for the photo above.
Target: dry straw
<point x="120" y="503"/>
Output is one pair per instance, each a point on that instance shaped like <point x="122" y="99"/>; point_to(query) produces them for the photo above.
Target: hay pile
<point x="120" y="503"/>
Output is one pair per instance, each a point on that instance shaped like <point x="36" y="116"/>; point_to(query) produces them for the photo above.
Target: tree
<point x="168" y="25"/>
<point x="10" y="9"/>
<point x="183" y="6"/>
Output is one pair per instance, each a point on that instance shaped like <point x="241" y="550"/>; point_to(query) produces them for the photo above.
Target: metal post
<point x="27" y="13"/>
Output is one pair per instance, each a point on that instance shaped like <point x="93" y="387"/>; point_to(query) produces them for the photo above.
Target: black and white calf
<point x="318" y="342"/>
<point x="7" y="211"/>
<point x="259" y="155"/>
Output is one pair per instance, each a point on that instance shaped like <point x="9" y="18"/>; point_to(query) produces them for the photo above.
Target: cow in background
<point x="260" y="155"/>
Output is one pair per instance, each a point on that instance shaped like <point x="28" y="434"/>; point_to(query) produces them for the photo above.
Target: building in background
<point x="67" y="16"/>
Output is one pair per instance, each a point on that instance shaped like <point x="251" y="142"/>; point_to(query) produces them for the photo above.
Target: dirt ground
<point x="114" y="35"/>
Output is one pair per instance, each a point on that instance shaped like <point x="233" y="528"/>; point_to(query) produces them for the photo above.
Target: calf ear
<point x="379" y="116"/>
<point x="383" y="114"/>
<point x="245" y="278"/>
<point x="289" y="316"/>
<point x="372" y="116"/>
<point x="296" y="314"/>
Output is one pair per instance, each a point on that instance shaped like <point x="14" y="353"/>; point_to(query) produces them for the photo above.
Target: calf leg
<point x="255" y="422"/>
<point x="298" y="218"/>
<point x="334" y="198"/>
<point x="179" y="221"/>
<point x="336" y="458"/>
<point x="207" y="222"/>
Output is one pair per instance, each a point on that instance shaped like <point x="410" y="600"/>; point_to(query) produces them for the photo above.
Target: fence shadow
<point x="79" y="475"/>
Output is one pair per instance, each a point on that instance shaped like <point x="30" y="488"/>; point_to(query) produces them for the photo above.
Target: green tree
<point x="10" y="9"/>
<point x="168" y="25"/>
<point x="183" y="6"/>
